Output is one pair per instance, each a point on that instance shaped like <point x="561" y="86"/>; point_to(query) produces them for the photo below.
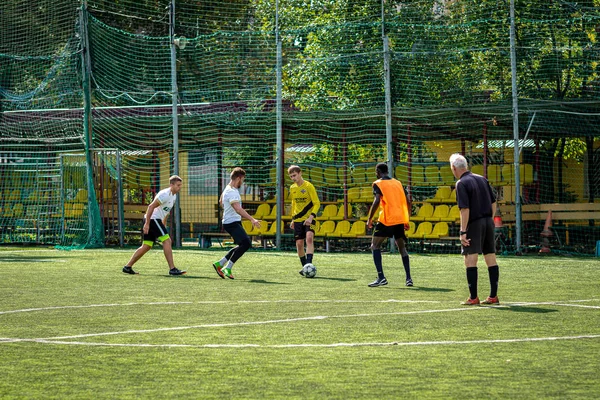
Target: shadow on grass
<point x="527" y="309"/>
<point x="29" y="259"/>
<point x="334" y="279"/>
<point x="187" y="277"/>
<point x="430" y="289"/>
<point x="267" y="282"/>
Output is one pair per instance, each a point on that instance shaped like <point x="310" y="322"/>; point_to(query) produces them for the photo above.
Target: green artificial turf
<point x="72" y="325"/>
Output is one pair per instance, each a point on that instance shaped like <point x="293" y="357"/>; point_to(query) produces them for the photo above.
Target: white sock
<point x="223" y="261"/>
<point x="229" y="265"/>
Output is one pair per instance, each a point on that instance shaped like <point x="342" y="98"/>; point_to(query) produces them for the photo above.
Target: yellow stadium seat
<point x="264" y="227"/>
<point x="478" y="169"/>
<point x="402" y="173"/>
<point x="359" y="176"/>
<point x="81" y="196"/>
<point x="417" y="175"/>
<point x="262" y="210"/>
<point x="526" y="171"/>
<point x="411" y="229"/>
<point x="330" y="176"/>
<point x="341" y="228"/>
<point x="326" y="228"/>
<point x="366" y="193"/>
<point x="453" y="215"/>
<point x="446" y="176"/>
<point x="495" y="175"/>
<point x="358" y="228"/>
<point x="329" y="212"/>
<point x="424" y="212"/>
<point x="440" y="229"/>
<point x="247" y="225"/>
<point x="340" y="213"/>
<point x="440" y="212"/>
<point x="77" y="210"/>
<point x="508" y="174"/>
<point x="452" y="198"/>
<point x="432" y="175"/>
<point x="442" y="193"/>
<point x="316" y="177"/>
<point x="354" y="194"/>
<point x="272" y="231"/>
<point x="423" y="229"/>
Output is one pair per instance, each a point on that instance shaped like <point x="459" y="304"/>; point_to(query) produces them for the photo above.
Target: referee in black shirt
<point x="477" y="204"/>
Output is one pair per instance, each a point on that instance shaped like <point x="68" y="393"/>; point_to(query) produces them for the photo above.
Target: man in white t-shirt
<point x="154" y="227"/>
<point x="232" y="223"/>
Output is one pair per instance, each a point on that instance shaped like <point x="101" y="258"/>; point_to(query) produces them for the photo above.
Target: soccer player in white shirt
<point x="154" y="227"/>
<point x="232" y="223"/>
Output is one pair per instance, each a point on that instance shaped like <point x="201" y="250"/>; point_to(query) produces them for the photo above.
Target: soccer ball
<point x="309" y="270"/>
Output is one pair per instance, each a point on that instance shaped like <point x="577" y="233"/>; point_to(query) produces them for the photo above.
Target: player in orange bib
<point x="393" y="221"/>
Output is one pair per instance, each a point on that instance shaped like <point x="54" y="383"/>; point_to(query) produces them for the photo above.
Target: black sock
<point x="378" y="265"/>
<point x="406" y="263"/>
<point x="303" y="260"/>
<point x="309" y="258"/>
<point x="472" y="280"/>
<point x="494" y="272"/>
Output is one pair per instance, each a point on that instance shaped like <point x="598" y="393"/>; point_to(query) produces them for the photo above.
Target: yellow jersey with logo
<point x="304" y="201"/>
<point x="394" y="207"/>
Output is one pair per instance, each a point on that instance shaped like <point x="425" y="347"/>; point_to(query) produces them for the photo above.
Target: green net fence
<point x="445" y="76"/>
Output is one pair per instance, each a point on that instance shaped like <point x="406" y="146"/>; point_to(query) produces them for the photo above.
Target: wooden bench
<point x="567" y="215"/>
<point x="560" y="212"/>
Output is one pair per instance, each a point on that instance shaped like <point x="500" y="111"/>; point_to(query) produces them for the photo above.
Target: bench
<point x="566" y="215"/>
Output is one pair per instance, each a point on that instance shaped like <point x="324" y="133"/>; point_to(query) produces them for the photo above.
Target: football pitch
<point x="72" y="325"/>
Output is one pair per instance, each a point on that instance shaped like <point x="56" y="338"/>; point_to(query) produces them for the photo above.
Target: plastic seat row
<point x="426" y="230"/>
<point x="328" y="229"/>
<point x="441" y="213"/>
<point x="432" y="175"/>
<point x="330" y="212"/>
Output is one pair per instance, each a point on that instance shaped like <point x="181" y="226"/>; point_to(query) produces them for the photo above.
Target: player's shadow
<point x="28" y="259"/>
<point x="267" y="282"/>
<point x="526" y="309"/>
<point x="186" y="276"/>
<point x="430" y="289"/>
<point x="334" y="279"/>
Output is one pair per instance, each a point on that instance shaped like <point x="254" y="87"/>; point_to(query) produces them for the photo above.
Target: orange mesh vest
<point x="394" y="208"/>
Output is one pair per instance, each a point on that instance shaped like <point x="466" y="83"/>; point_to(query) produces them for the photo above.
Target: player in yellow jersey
<point x="305" y="206"/>
<point x="393" y="221"/>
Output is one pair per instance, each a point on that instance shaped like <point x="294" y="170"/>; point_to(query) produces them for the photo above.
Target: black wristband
<point x="463" y="232"/>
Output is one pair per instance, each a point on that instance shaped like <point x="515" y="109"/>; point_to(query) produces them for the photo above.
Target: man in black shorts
<point x="393" y="219"/>
<point x="477" y="203"/>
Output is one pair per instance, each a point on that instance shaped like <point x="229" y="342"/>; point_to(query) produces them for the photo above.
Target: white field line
<point x="556" y="303"/>
<point x="310" y="345"/>
<point x="92" y="306"/>
<point x="274" y="321"/>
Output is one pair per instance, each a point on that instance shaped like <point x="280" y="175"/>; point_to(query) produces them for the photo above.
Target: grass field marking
<point x="275" y="321"/>
<point x="92" y="306"/>
<point x="310" y="345"/>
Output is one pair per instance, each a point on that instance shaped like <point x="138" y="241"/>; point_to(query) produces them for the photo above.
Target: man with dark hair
<point x="305" y="206"/>
<point x="393" y="221"/>
<point x="154" y="227"/>
<point x="477" y="203"/>
<point x="232" y="223"/>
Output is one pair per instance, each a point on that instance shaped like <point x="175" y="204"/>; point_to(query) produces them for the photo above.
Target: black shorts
<point x="481" y="233"/>
<point x="395" y="231"/>
<point x="156" y="232"/>
<point x="237" y="232"/>
<point x="300" y="229"/>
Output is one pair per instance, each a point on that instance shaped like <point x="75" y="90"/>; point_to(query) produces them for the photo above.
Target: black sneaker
<point x="301" y="272"/>
<point x="409" y="282"/>
<point x="378" y="282"/>
<point x="129" y="270"/>
<point x="175" y="271"/>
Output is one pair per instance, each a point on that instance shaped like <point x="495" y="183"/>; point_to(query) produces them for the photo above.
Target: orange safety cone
<point x="546" y="234"/>
<point x="498" y="218"/>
